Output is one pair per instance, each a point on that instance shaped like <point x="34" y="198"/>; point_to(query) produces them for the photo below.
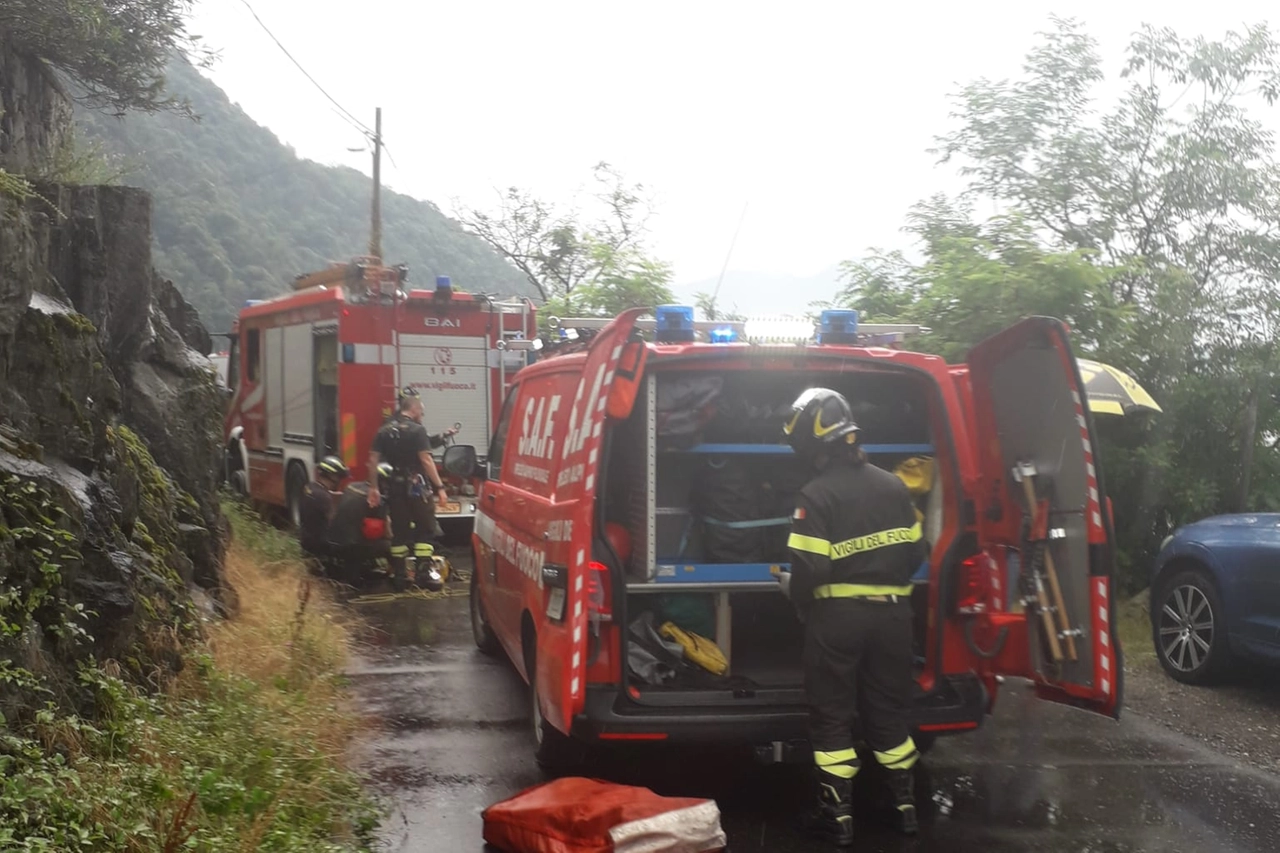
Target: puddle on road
<point x="409" y="723"/>
<point x="388" y="619"/>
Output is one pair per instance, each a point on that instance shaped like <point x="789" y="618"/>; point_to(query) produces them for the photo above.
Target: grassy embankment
<point x="1135" y="631"/>
<point x="242" y="751"/>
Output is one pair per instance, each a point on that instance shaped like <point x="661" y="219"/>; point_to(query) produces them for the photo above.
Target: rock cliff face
<point x="35" y="115"/>
<point x="110" y="421"/>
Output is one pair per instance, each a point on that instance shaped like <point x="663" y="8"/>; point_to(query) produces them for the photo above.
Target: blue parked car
<point x="1215" y="595"/>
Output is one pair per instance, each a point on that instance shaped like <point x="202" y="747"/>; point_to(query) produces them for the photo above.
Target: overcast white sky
<point x="816" y="114"/>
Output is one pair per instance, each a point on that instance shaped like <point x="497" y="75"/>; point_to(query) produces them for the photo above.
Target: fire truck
<point x="316" y="371"/>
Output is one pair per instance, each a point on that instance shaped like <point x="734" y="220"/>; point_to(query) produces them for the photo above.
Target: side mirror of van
<point x="460" y="460"/>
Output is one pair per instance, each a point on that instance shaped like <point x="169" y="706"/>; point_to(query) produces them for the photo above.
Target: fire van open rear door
<point x="562" y="639"/>
<point x="1035" y="437"/>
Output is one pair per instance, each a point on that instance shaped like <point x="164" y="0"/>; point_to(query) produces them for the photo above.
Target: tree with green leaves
<point x="598" y="266"/>
<point x="1151" y="225"/>
<point x="113" y="51"/>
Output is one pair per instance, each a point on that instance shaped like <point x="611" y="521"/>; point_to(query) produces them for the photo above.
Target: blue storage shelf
<point x="782" y="449"/>
<point x="679" y="573"/>
<point x="675" y="573"/>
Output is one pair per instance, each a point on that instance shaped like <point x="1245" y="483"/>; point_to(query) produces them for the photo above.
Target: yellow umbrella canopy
<point x="1112" y="391"/>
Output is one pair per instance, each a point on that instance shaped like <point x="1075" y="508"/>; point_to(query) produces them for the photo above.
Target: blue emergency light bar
<point x="723" y="335"/>
<point x="838" y="326"/>
<point x="443" y="283"/>
<point x="673" y="324"/>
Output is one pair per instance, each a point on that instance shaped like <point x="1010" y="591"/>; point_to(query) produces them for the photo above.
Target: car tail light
<point x="973" y="584"/>
<point x="599" y="593"/>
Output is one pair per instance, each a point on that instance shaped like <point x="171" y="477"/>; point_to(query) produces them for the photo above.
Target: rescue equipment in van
<point x="650" y="658"/>
<point x="740" y="519"/>
<point x="578" y="815"/>
<point x="685" y="405"/>
<point x="619" y="539"/>
<point x="694" y="612"/>
<point x="697" y="648"/>
<point x="1038" y="536"/>
<point x="916" y="474"/>
<point x="660" y="662"/>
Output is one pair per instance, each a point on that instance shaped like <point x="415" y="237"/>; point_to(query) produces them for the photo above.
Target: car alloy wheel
<point x="1186" y="628"/>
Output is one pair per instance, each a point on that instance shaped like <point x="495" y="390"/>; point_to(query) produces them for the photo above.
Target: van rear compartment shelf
<point x="679" y="574"/>
<point x="782" y="449"/>
<point x="706" y="495"/>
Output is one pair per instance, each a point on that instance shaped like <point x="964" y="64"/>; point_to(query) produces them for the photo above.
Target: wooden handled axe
<point x="1025" y="473"/>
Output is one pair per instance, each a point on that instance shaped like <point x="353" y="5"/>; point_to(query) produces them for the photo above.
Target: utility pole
<point x="375" y="237"/>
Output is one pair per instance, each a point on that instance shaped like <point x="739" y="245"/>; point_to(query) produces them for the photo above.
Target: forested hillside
<point x="238" y="214"/>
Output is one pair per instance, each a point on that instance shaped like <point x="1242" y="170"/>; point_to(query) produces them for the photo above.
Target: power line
<point x="345" y="114"/>
<point x="716" y="294"/>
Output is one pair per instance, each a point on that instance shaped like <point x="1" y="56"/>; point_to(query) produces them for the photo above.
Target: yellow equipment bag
<point x="700" y="650"/>
<point x="917" y="474"/>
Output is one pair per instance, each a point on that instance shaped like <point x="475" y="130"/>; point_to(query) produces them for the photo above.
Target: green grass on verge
<point x="1134" y="629"/>
<point x="244" y="752"/>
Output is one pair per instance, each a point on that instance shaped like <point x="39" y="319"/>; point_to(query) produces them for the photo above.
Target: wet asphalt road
<point x="453" y="737"/>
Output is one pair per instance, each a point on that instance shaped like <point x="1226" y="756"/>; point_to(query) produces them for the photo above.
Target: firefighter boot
<point x="399" y="571"/>
<point x="425" y="574"/>
<point x="832" y="819"/>
<point x="902" y="786"/>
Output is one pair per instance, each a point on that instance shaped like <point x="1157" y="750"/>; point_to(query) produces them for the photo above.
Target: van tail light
<point x="599" y="593"/>
<point x="973" y="586"/>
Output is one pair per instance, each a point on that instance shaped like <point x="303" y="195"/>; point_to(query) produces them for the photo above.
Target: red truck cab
<point x="625" y="433"/>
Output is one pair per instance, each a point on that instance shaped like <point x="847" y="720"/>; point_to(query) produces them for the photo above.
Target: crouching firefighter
<point x="357" y="531"/>
<point x="404" y="443"/>
<point x="854" y="544"/>
<point x="315" y="508"/>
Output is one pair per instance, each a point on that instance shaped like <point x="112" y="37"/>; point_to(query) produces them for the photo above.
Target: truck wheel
<point x="233" y="473"/>
<point x="486" y="642"/>
<point x="294" y="482"/>
<point x="555" y="753"/>
<point x="239" y="484"/>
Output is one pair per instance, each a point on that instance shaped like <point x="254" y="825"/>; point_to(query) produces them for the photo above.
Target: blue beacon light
<point x="673" y="324"/>
<point x="723" y="335"/>
<point x="838" y="326"/>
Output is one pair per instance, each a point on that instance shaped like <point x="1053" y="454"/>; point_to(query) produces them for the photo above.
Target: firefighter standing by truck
<point x="855" y="542"/>
<point x="404" y="443"/>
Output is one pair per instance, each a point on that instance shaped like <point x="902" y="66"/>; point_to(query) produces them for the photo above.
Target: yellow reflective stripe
<point x="809" y="544"/>
<point x="841" y="771"/>
<point x="858" y="544"/>
<point x="826" y="759"/>
<point x="423" y="549"/>
<point x="399" y="550"/>
<point x="901" y="757"/>
<point x="843" y="763"/>
<point x="858" y="590"/>
<point x="879" y="539"/>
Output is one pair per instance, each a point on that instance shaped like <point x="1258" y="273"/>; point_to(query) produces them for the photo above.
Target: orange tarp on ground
<point x="576" y="815"/>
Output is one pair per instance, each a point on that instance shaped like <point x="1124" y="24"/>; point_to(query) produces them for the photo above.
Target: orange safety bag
<point x="577" y="815"/>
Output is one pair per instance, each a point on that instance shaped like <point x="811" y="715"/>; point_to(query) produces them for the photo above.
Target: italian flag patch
<point x="798" y="515"/>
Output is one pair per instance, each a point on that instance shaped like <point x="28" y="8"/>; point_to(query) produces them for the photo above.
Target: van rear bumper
<point x="957" y="704"/>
